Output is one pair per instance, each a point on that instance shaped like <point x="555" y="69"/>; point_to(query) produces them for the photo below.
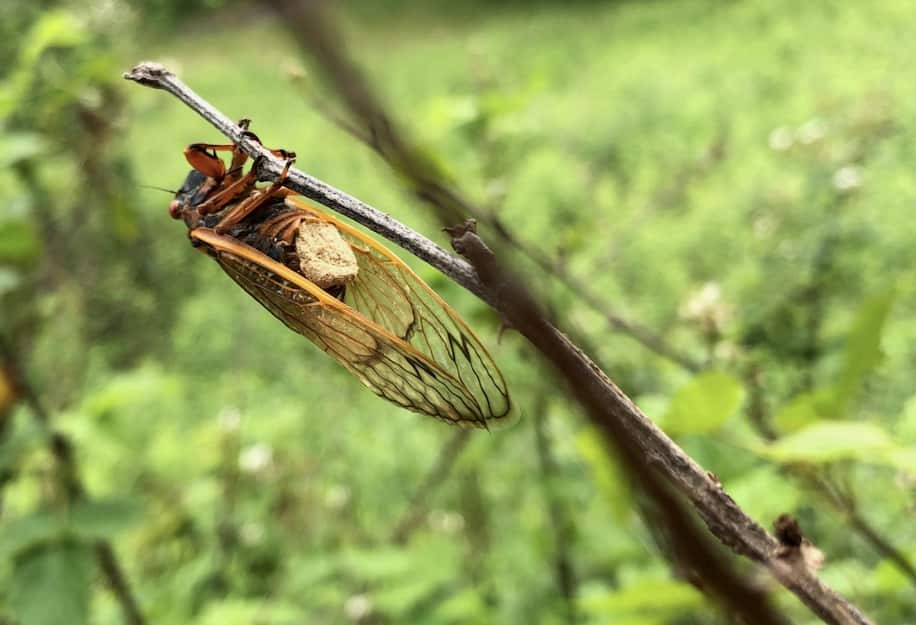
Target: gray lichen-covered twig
<point x="679" y="476"/>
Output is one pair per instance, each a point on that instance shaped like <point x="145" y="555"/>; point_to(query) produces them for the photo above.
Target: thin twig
<point x="62" y="450"/>
<point x="723" y="517"/>
<point x="563" y="571"/>
<point x="418" y="506"/>
<point x="844" y="501"/>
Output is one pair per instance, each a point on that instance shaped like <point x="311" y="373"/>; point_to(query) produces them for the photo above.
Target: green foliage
<point x="647" y="600"/>
<point x="704" y="404"/>
<point x="863" y="345"/>
<point x="829" y="441"/>
<point x="755" y="212"/>
<point x="85" y="521"/>
<point x="50" y="584"/>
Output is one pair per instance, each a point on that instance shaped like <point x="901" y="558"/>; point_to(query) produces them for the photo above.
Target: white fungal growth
<point x="325" y="257"/>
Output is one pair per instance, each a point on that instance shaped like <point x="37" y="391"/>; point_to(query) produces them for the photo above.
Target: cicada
<point x="329" y="282"/>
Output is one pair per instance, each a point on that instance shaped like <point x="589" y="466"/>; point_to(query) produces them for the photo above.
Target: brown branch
<point x="720" y="513"/>
<point x="62" y="449"/>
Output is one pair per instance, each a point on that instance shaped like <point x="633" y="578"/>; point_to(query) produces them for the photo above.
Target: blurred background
<point x="719" y="196"/>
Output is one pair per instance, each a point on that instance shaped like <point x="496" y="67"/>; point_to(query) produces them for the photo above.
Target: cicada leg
<point x="253" y="201"/>
<point x="282" y="227"/>
<point x="227" y="193"/>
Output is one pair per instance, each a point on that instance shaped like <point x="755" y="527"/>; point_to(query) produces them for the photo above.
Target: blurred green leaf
<point x="20" y="146"/>
<point x="397" y="598"/>
<point x="29" y="531"/>
<point x="828" y="441"/>
<point x="377" y="564"/>
<point x="24" y="438"/>
<point x="806" y="409"/>
<point x="906" y="425"/>
<point x="104" y="518"/>
<point x="613" y="487"/>
<point x="663" y="597"/>
<point x="86" y="520"/>
<point x="461" y="607"/>
<point x="53" y="29"/>
<point x="18" y="242"/>
<point x="889" y="578"/>
<point x="704" y="403"/>
<point x="903" y="458"/>
<point x="863" y="345"/>
<point x="782" y="495"/>
<point x="51" y="585"/>
<point x="9" y="280"/>
<point x="248" y="611"/>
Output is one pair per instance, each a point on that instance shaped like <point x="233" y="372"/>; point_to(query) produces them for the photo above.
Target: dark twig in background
<point x="62" y="450"/>
<point x="563" y="570"/>
<point x="655" y="455"/>
<point x="416" y="511"/>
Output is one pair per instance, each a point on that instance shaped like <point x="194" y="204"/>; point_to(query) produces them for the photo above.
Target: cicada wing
<point x="384" y="362"/>
<point x="388" y="292"/>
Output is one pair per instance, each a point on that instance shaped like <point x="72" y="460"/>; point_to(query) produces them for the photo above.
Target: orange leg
<point x="228" y="192"/>
<point x="282" y="227"/>
<point x="252" y="202"/>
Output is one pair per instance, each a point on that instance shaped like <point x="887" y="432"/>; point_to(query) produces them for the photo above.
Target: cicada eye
<point x="192" y="192"/>
<point x="175" y="209"/>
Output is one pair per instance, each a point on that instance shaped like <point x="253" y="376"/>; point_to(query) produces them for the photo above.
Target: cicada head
<point x="194" y="191"/>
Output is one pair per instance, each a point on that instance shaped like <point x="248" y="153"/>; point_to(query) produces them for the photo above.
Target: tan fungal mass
<point x="325" y="258"/>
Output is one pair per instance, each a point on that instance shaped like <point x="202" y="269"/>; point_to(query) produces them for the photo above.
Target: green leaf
<point x="704" y="403"/>
<point x="20" y="146"/>
<point x="88" y="520"/>
<point x="18" y="241"/>
<point x="377" y="564"/>
<point x="50" y="585"/>
<point x="398" y="598"/>
<point x="24" y="438"/>
<point x="55" y="29"/>
<point x="906" y="425"/>
<point x="889" y="578"/>
<point x="863" y="346"/>
<point x="247" y="611"/>
<point x="461" y="607"/>
<point x="646" y="596"/>
<point x="782" y="493"/>
<point x="103" y="518"/>
<point x="828" y="441"/>
<point x="805" y="409"/>
<point x="607" y="478"/>
<point x="903" y="458"/>
<point x="29" y="531"/>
